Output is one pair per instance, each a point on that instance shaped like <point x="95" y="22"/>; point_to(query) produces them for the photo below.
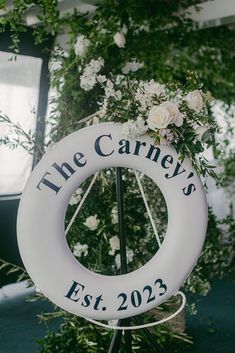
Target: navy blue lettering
<point x="188" y="190"/>
<point x="97" y="146"/>
<point x="62" y="171"/>
<point x="150" y="152"/>
<point x="48" y="183"/>
<point x="167" y="161"/>
<point x="97" y="302"/>
<point x="137" y="147"/>
<point x="125" y="146"/>
<point x="87" y="300"/>
<point x="73" y="291"/>
<point x="78" y="159"/>
<point x="177" y="171"/>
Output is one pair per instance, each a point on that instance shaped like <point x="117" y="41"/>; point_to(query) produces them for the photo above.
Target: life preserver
<point x="40" y="227"/>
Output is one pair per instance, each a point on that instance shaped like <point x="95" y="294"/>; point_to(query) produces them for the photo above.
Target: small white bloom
<point x="96" y="65"/>
<point x="114" y="244"/>
<point x="146" y="92"/>
<point x="81" y="46"/>
<point x="80" y="249"/>
<point x="114" y="215"/>
<point x="89" y="77"/>
<point x="104" y="107"/>
<point x="141" y="127"/>
<point x="194" y="100"/>
<point x="109" y="89"/>
<point x="129" y="129"/>
<point x="118" y="261"/>
<point x="129" y="255"/>
<point x="132" y="128"/>
<point x="76" y="197"/>
<point x="153" y="88"/>
<point x="119" y="79"/>
<point x="101" y="78"/>
<point x="176" y="115"/>
<point x="158" y="118"/>
<point x="92" y="222"/>
<point x="119" y="39"/>
<point x="124" y="29"/>
<point x="166" y="137"/>
<point x="132" y="66"/>
<point x="87" y="81"/>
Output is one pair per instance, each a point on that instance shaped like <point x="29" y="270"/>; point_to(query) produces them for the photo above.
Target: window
<point x="19" y="94"/>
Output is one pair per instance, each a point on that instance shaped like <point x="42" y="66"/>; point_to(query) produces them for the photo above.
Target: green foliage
<point x="19" y="137"/>
<point x="10" y="268"/>
<point x="73" y="336"/>
<point x="171" y="47"/>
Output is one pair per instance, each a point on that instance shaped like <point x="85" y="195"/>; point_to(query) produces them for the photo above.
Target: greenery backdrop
<point x="159" y="35"/>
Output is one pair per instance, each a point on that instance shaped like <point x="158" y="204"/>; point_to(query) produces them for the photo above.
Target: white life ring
<point x="40" y="227"/>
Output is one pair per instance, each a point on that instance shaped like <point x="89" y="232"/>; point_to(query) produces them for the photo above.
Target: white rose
<point x="114" y="244"/>
<point x="158" y="117"/>
<point x="176" y="115"/>
<point x="92" y="222"/>
<point x="194" y="100"/>
<point x="119" y="39"/>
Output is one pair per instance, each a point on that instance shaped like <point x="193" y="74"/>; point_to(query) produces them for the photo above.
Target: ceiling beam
<point x="212" y="13"/>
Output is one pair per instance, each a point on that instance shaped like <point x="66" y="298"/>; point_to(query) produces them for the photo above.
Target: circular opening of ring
<point x="93" y="225"/>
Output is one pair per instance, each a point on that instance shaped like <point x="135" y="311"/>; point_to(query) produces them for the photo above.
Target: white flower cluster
<point x="110" y="91"/>
<point x="146" y="92"/>
<point x="161" y="116"/>
<point x="132" y="66"/>
<point x="89" y="77"/>
<point x="80" y="249"/>
<point x="194" y="100"/>
<point x="81" y="45"/>
<point x="92" y="222"/>
<point x="76" y="197"/>
<point x="134" y="128"/>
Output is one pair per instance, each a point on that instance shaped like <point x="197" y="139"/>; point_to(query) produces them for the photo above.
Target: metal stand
<point x="117" y="336"/>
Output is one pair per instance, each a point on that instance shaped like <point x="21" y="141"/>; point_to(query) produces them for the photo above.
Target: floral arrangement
<point x="170" y="113"/>
<point x="129" y="62"/>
